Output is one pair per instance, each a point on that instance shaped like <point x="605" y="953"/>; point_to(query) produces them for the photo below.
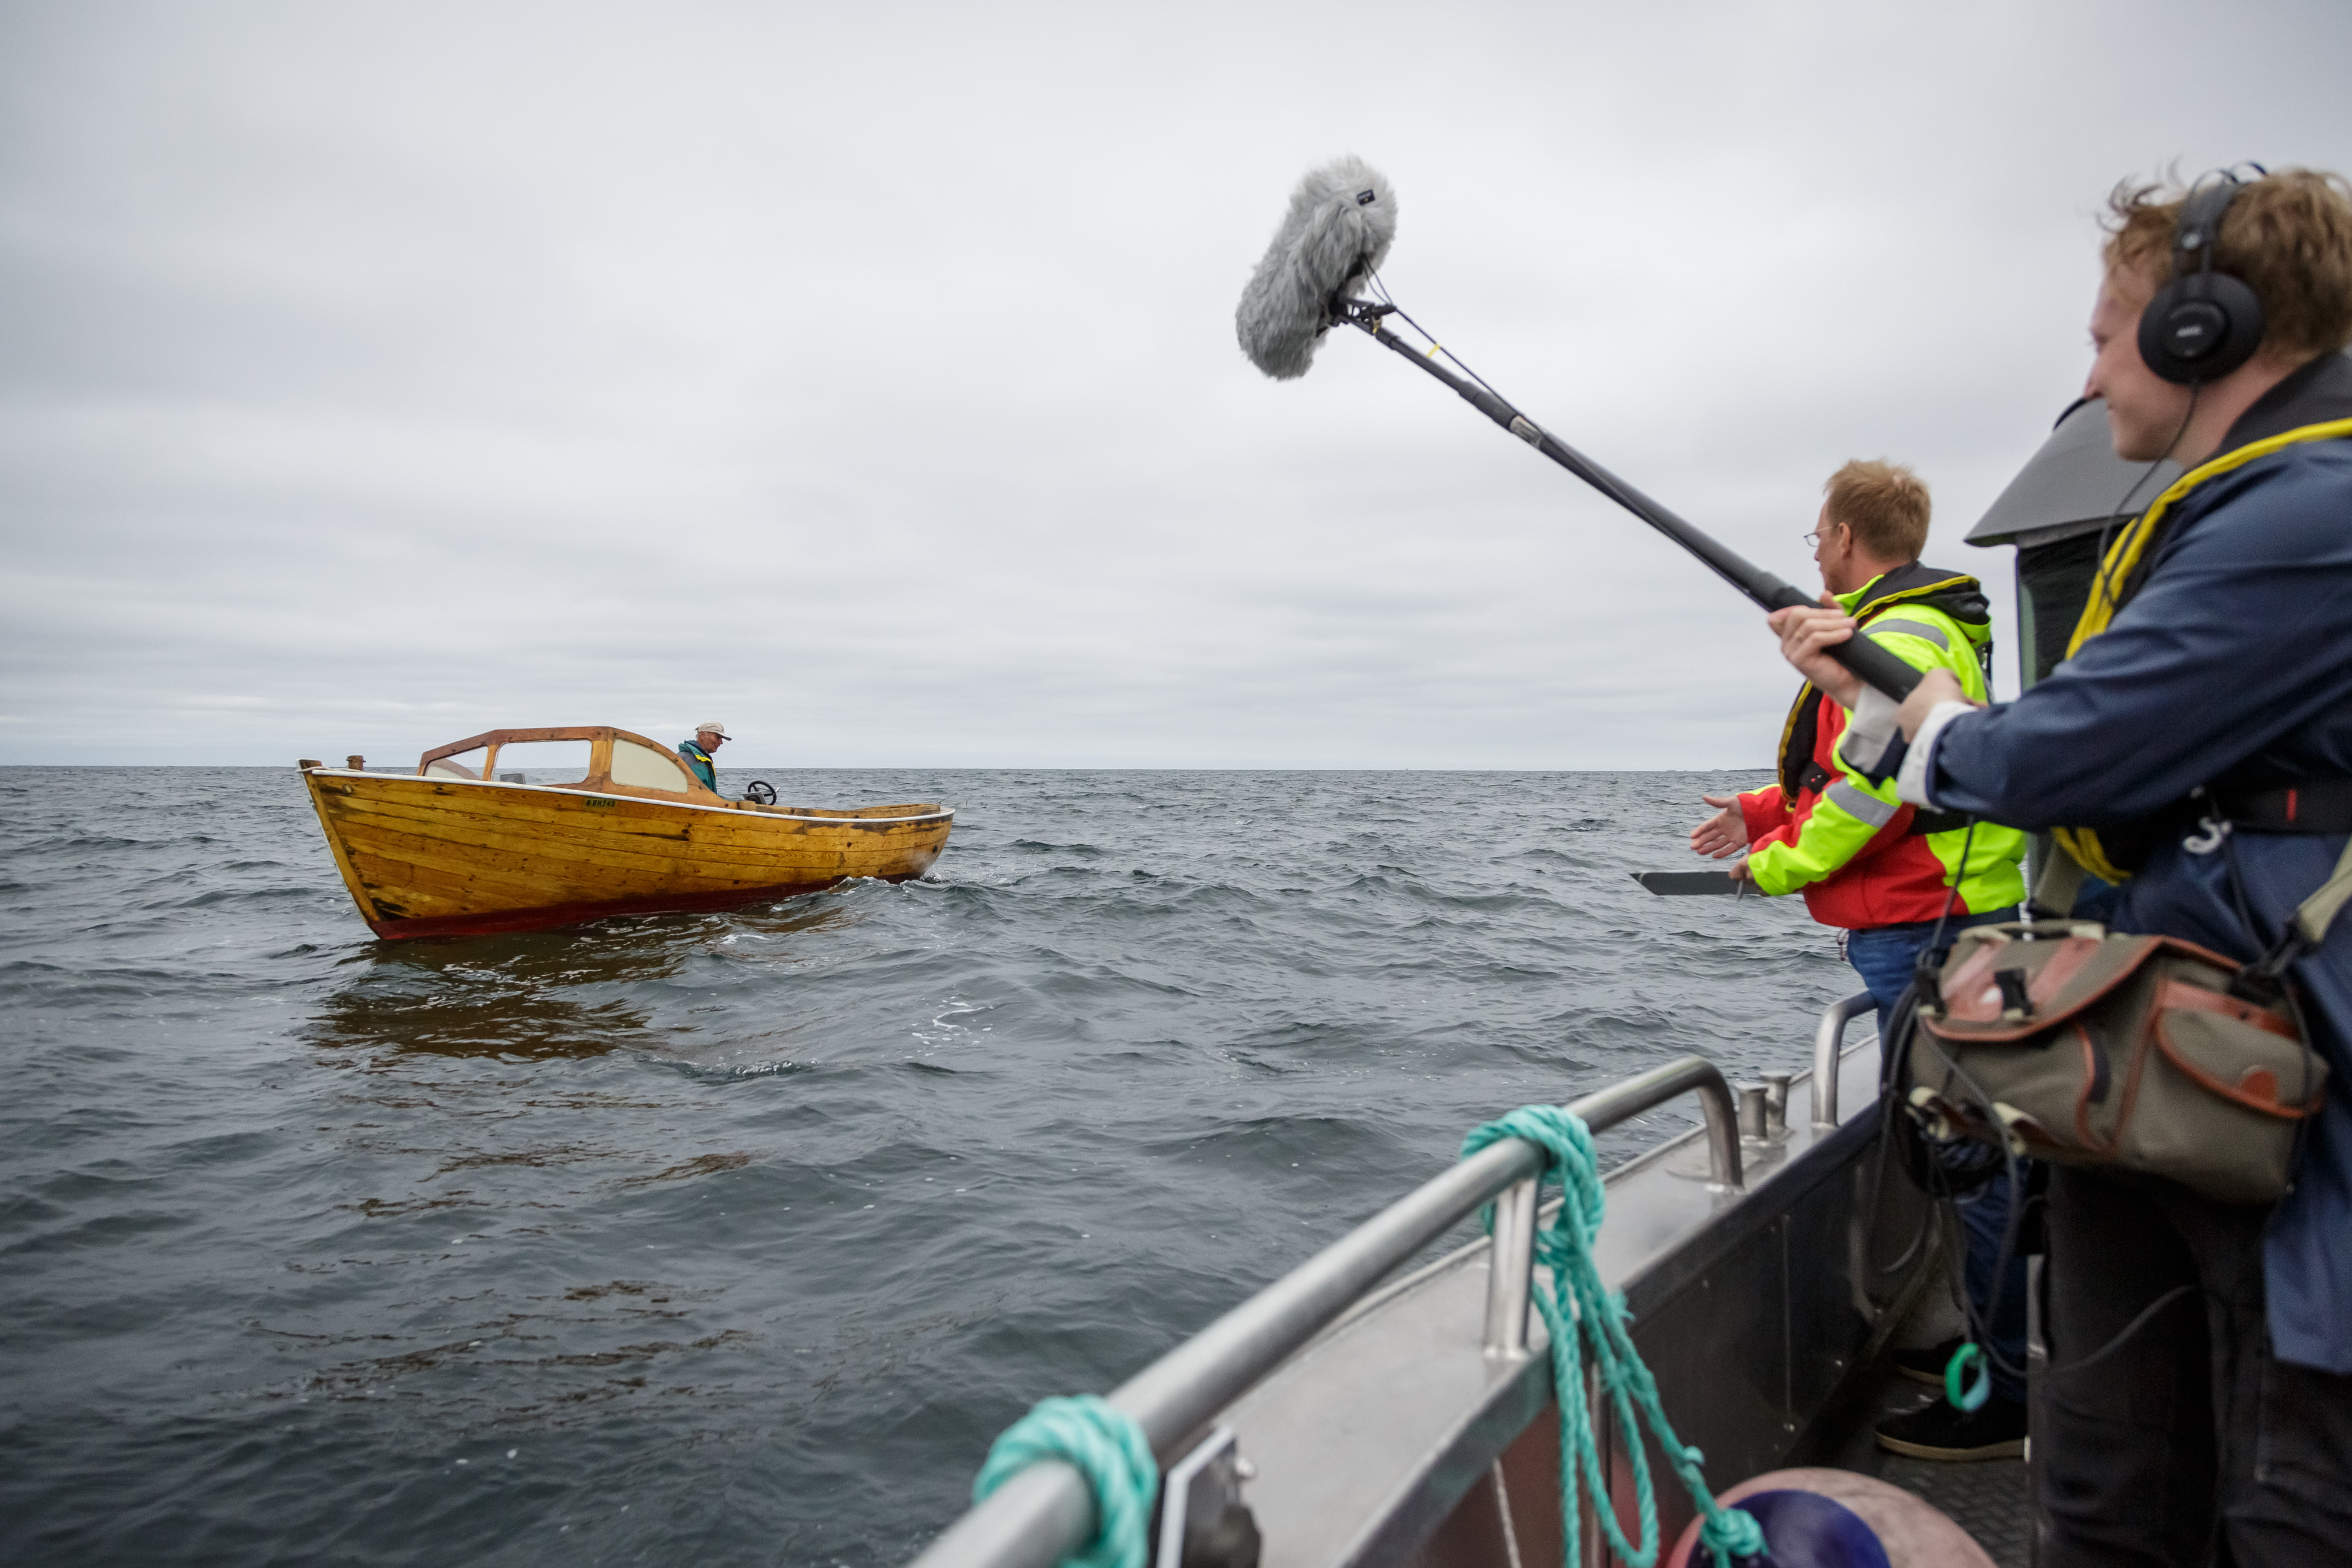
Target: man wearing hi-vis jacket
<point x="2195" y="747"/>
<point x="1867" y="863"/>
<point x="1884" y="872"/>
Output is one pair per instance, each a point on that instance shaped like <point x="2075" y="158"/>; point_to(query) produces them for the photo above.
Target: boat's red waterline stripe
<point x="541" y="918"/>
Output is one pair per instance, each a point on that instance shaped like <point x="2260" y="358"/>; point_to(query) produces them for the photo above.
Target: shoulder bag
<point x="2138" y="1054"/>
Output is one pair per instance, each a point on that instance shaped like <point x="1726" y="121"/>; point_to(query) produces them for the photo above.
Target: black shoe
<point x="1941" y="1432"/>
<point x="1925" y="1364"/>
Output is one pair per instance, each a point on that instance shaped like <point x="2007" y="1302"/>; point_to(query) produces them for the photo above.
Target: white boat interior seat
<point x="643" y="767"/>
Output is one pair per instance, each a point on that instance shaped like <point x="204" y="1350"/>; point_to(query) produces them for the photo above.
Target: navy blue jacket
<point x="2231" y="663"/>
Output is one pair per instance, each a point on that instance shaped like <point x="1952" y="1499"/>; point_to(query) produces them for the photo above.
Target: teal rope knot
<point x="1585" y="1319"/>
<point x="1731" y="1533"/>
<point x="1103" y="1444"/>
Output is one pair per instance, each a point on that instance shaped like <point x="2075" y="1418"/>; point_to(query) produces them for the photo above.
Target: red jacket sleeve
<point x="1766" y="813"/>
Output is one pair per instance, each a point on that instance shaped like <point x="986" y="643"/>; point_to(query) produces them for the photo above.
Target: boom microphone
<point x="1341" y="219"/>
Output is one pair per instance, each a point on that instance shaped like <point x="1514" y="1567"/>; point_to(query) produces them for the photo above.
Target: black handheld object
<point x="2202" y="324"/>
<point x="1689" y="883"/>
<point x="1283" y="309"/>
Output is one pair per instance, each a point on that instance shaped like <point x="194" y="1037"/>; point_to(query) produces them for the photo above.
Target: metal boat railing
<point x="1045" y="1513"/>
<point x="1829" y="1047"/>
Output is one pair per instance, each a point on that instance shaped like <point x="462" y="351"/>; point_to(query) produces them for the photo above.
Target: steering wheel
<point x="760" y="792"/>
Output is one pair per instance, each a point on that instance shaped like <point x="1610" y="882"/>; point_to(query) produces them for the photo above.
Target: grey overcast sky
<point x="371" y="374"/>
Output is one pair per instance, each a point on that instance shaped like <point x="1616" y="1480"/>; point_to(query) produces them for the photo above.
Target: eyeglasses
<point x="1814" y="540"/>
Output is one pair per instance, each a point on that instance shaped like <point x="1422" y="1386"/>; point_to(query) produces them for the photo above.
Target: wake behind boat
<point x="461" y="847"/>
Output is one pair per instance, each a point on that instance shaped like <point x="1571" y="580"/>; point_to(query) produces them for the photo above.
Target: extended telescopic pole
<point x="1875" y="664"/>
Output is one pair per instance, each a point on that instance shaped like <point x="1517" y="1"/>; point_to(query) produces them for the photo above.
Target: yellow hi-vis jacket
<point x="1861" y="857"/>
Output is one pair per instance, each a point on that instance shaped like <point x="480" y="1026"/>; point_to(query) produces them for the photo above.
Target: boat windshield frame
<point x="601" y="739"/>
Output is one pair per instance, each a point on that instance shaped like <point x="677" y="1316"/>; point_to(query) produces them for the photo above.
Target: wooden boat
<point x="457" y="848"/>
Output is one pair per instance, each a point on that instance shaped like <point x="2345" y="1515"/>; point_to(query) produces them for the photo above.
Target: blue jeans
<point x="1984" y="1214"/>
<point x="1885" y="956"/>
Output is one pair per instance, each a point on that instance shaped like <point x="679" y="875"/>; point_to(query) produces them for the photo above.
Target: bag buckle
<point x="2016" y="1005"/>
<point x="2264" y="981"/>
<point x="1926" y="979"/>
<point x="2010" y="1117"/>
<point x="1927" y="1108"/>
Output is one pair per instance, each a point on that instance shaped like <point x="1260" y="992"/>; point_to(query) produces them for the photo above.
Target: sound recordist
<point x="2196" y="748"/>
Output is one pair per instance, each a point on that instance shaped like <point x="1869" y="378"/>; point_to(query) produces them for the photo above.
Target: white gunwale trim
<point x="753" y="811"/>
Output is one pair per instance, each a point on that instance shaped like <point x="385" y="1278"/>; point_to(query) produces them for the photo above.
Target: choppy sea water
<point x="735" y="1237"/>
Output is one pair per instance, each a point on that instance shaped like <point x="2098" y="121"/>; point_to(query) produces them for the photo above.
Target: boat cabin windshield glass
<point x="464" y="765"/>
<point x="642" y="767"/>
<point x="542" y="762"/>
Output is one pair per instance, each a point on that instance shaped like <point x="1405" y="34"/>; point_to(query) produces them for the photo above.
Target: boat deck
<point x="1988" y="1499"/>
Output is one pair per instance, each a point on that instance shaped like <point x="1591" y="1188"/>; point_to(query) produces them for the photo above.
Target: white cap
<point x="712" y="726"/>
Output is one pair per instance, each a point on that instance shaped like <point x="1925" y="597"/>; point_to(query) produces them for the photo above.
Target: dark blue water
<point x="735" y="1238"/>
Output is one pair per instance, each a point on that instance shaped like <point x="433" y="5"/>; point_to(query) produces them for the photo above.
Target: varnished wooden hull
<point x="434" y="857"/>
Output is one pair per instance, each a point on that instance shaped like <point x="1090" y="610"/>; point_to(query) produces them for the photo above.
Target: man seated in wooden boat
<point x="709" y="736"/>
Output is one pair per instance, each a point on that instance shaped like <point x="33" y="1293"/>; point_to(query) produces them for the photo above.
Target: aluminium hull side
<point x="429" y="856"/>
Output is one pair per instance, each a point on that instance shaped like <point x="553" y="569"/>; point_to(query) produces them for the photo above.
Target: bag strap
<point x="2059" y="883"/>
<point x="2314" y="915"/>
<point x="2305" y="931"/>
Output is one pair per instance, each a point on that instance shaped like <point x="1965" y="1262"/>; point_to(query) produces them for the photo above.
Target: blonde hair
<point x="1883" y="505"/>
<point x="2288" y="236"/>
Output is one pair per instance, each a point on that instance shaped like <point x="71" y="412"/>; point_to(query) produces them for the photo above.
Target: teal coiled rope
<point x="1103" y="1444"/>
<point x="1578" y="1312"/>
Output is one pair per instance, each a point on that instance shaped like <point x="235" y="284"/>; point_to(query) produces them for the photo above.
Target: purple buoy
<point x="1899" y="1529"/>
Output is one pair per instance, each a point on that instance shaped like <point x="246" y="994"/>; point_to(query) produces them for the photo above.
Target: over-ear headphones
<point x="2202" y="324"/>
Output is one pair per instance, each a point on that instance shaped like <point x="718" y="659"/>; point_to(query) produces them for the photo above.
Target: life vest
<point x="1862" y="860"/>
<point x="2123" y="572"/>
<point x="1956" y="594"/>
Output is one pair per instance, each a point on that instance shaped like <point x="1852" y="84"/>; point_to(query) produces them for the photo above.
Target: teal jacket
<point x="700" y="761"/>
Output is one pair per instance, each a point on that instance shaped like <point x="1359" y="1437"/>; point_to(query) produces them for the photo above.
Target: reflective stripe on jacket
<point x="1847" y="843"/>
